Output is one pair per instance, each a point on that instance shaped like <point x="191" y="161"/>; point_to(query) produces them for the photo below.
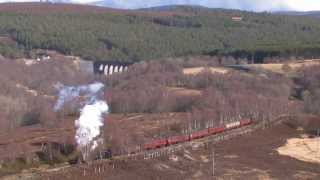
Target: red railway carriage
<point x="245" y="122"/>
<point x="178" y="139"/>
<point x="195" y="135"/>
<point x="199" y="134"/>
<point x="156" y="144"/>
<point x="216" y="130"/>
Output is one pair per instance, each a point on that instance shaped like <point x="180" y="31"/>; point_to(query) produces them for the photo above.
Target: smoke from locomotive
<point x="91" y="119"/>
<point x="68" y="93"/>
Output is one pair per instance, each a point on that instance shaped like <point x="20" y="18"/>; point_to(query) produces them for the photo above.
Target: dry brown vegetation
<point x="251" y="156"/>
<point x="27" y="93"/>
<point x="184" y="91"/>
<point x="197" y="70"/>
<point x="151" y="100"/>
<point x="304" y="149"/>
<point x="30" y="131"/>
<point x="285" y="68"/>
<point x="220" y="97"/>
<point x="308" y="88"/>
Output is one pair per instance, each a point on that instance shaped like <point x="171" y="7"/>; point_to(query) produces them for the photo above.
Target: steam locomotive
<point x="195" y="135"/>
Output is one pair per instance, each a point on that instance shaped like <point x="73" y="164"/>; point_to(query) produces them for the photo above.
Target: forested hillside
<point x="104" y="34"/>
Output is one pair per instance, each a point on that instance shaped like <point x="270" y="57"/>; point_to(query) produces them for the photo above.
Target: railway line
<point x="102" y="164"/>
<point x="213" y="139"/>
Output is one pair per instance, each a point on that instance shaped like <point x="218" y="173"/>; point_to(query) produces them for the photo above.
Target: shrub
<point x="286" y="68"/>
<point x="309" y="84"/>
<point x="30" y="118"/>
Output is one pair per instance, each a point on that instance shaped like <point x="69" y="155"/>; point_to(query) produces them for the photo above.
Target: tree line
<point x="140" y="36"/>
<point x="145" y="88"/>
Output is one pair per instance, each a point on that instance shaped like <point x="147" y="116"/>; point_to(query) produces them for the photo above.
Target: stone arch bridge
<point x="110" y="67"/>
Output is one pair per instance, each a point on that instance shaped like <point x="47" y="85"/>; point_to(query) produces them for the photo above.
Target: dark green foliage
<point x="141" y="36"/>
<point x="309" y="88"/>
<point x="10" y="50"/>
<point x="30" y="118"/>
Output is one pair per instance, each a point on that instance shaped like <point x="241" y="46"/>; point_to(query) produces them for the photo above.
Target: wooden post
<point x="213" y="161"/>
<point x="318" y="134"/>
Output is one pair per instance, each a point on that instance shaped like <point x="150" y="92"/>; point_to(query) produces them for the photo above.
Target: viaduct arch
<point x="110" y="67"/>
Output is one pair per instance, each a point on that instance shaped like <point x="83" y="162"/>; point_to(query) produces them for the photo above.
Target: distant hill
<point x="46" y="8"/>
<point x="98" y="33"/>
<point x="174" y="8"/>
<point x="297" y="13"/>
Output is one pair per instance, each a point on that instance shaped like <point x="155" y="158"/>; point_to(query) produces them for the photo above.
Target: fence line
<point x="101" y="166"/>
<point x="210" y="139"/>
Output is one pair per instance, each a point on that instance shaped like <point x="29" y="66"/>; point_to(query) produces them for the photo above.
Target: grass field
<point x="290" y="67"/>
<point x="184" y="91"/>
<point x="281" y="68"/>
<point x="197" y="70"/>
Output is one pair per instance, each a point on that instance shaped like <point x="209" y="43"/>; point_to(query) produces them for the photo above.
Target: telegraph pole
<point x="318" y="135"/>
<point x="213" y="162"/>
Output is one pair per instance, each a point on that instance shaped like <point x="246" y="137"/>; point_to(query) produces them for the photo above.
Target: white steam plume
<point x="89" y="125"/>
<point x="69" y="93"/>
<point x="91" y="120"/>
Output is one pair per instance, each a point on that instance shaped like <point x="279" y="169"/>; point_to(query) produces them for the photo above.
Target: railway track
<point x="101" y="165"/>
<point x="214" y="139"/>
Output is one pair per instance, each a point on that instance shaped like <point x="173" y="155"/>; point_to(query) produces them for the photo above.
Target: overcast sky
<point x="254" y="5"/>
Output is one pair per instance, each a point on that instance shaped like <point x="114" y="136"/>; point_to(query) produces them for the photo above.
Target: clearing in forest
<point x="197" y="70"/>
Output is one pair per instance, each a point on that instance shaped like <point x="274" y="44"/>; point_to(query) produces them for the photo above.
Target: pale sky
<point x="254" y="5"/>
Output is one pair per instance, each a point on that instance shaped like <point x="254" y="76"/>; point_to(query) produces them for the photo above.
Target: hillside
<point x="151" y="101"/>
<point x="175" y="8"/>
<point x="297" y="13"/>
<point x="97" y="33"/>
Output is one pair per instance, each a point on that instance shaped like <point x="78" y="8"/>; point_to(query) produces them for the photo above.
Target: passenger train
<point x="195" y="135"/>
